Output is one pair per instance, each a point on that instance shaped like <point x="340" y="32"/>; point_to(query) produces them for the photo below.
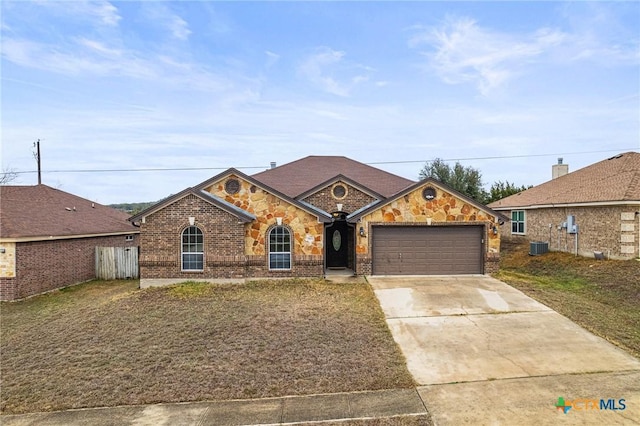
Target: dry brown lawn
<point x="108" y="343"/>
<point x="602" y="296"/>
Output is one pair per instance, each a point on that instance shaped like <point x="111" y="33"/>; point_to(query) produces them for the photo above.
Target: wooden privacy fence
<point x="116" y="263"/>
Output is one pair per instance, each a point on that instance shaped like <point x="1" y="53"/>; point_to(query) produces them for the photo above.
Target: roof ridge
<point x="634" y="186"/>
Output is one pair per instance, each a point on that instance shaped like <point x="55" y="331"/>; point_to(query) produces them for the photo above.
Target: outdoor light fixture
<point x="495" y="230"/>
<point x="362" y="231"/>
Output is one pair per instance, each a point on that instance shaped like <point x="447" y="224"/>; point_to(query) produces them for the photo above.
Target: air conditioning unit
<point x="536" y="248"/>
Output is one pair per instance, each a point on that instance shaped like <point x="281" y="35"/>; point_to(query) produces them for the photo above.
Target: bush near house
<point x="107" y="343"/>
<point x="602" y="296"/>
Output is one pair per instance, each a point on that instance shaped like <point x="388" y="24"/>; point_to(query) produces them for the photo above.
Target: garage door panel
<point x="427" y="250"/>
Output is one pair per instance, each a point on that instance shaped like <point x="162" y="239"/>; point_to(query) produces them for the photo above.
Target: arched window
<point x="192" y="249"/>
<point x="279" y="248"/>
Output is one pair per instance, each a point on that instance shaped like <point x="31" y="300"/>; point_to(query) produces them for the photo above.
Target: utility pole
<point x="37" y="156"/>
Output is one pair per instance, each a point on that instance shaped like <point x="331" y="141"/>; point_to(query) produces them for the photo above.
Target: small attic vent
<point x="339" y="191"/>
<point x="429" y="193"/>
<point x="232" y="186"/>
<point x="614" y="157"/>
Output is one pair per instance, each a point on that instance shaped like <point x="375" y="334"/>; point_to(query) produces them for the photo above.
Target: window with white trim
<point x="192" y="249"/>
<point x="279" y="248"/>
<point x="517" y="222"/>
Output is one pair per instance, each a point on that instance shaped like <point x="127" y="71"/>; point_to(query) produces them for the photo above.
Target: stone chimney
<point x="559" y="169"/>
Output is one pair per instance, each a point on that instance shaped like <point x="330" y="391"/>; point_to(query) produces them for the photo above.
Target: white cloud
<point x="102" y="11"/>
<point x="87" y="56"/>
<point x="272" y="58"/>
<point x="327" y="70"/>
<point x="462" y="51"/>
<point x="158" y="13"/>
<point x="84" y="56"/>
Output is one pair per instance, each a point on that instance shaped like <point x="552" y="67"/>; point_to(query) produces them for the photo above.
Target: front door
<point x="337" y="244"/>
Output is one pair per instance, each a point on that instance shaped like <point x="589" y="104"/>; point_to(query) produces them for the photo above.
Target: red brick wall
<point x="160" y="241"/>
<point x="47" y="265"/>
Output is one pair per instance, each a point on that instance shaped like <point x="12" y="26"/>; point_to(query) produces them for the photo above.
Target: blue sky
<point x="211" y="85"/>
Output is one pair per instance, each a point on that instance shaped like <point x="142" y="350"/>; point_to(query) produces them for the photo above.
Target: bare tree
<point x="7" y="175"/>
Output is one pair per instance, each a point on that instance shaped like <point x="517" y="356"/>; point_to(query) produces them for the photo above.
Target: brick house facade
<point x="42" y="266"/>
<point x="297" y="220"/>
<point x="49" y="237"/>
<point x="603" y="198"/>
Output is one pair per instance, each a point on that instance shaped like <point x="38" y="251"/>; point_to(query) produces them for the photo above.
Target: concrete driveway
<point x="484" y="353"/>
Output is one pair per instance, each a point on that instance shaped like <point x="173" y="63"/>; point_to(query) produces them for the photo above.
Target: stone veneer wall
<point x="307" y="231"/>
<point x="41" y="266"/>
<point x="352" y="201"/>
<point x="613" y="230"/>
<point x="414" y="210"/>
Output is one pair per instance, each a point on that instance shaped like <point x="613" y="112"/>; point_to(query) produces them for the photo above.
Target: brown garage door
<point x="427" y="250"/>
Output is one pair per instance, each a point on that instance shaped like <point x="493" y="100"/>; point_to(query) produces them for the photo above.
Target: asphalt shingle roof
<point x="42" y="211"/>
<point x="611" y="180"/>
<point x="297" y="177"/>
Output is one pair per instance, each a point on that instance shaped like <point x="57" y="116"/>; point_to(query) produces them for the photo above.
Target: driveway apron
<point x="485" y="353"/>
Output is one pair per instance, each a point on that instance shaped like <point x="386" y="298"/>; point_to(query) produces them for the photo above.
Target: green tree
<point x="466" y="180"/>
<point x="500" y="190"/>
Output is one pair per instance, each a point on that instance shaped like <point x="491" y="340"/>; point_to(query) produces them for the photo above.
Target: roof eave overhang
<point x="323" y="217"/>
<point x="561" y="205"/>
<point x="64" y="237"/>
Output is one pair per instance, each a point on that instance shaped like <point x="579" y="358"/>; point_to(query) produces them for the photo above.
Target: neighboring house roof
<point x="614" y="180"/>
<point x="198" y="190"/>
<point x="41" y="212"/>
<point x="300" y="176"/>
<point x="355" y="216"/>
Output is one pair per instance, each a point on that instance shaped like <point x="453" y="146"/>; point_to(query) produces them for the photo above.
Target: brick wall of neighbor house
<point x="613" y="230"/>
<point x="413" y="209"/>
<point x="352" y="201"/>
<point x="48" y="265"/>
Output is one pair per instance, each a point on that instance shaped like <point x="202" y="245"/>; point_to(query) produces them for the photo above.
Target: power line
<point x="503" y="156"/>
<point x="178" y="169"/>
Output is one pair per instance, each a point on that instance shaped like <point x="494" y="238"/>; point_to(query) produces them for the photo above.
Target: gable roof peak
<point x="304" y="174"/>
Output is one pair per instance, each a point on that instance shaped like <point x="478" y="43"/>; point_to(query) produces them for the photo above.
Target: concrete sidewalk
<point x="285" y="410"/>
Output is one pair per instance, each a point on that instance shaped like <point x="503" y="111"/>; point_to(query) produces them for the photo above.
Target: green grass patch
<point x="562" y="282"/>
<point x="190" y="289"/>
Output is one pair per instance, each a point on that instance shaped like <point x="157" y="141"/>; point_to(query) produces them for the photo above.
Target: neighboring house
<point x="48" y="238"/>
<point x="310" y="215"/>
<point x="603" y="198"/>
